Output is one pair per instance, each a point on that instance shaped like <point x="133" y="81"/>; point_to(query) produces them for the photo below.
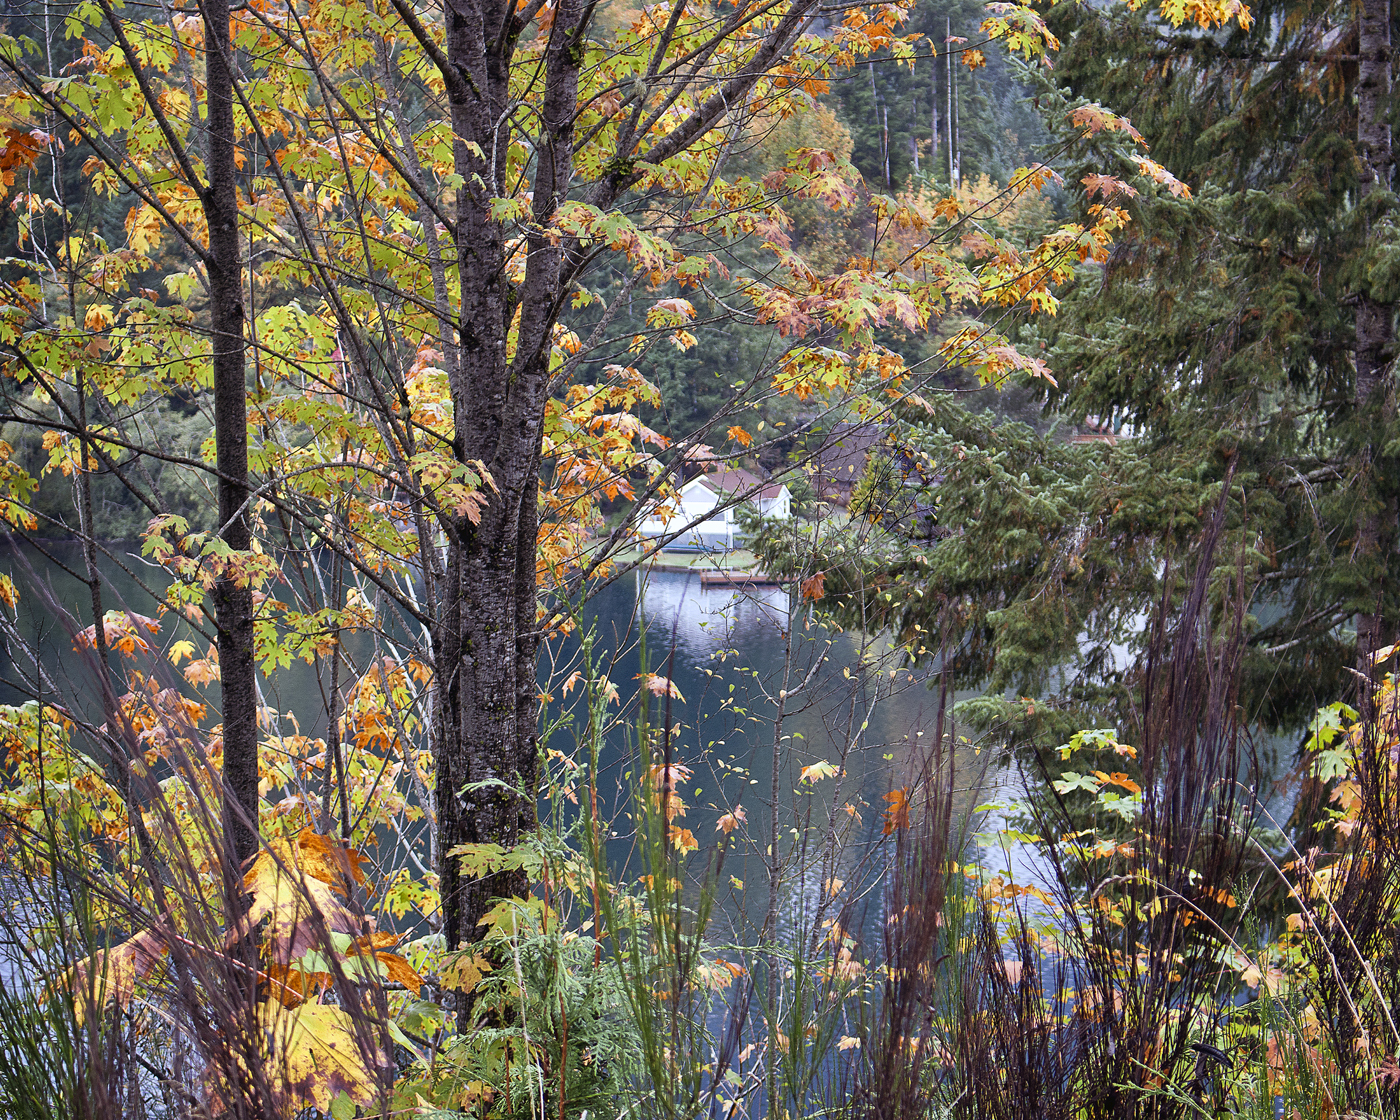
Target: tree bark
<point x="1375" y="331"/>
<point x="487" y="767"/>
<point x="233" y="598"/>
<point x="486" y="640"/>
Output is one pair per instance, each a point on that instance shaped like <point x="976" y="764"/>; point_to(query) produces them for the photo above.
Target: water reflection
<point x="854" y="719"/>
<point x="705" y="619"/>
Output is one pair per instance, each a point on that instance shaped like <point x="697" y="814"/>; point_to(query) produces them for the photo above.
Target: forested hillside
<point x="1222" y="335"/>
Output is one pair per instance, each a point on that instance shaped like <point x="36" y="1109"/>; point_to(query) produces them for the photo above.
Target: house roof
<point x="703" y="481"/>
<point x="736" y="480"/>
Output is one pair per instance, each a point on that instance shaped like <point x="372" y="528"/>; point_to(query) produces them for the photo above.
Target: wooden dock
<point x="734" y="577"/>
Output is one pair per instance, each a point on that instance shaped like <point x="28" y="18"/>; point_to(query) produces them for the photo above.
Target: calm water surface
<point x="732" y="654"/>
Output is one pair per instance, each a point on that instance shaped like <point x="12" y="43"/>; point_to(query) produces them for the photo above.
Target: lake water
<point x="732" y="653"/>
<point x="729" y="652"/>
<point x="129" y="581"/>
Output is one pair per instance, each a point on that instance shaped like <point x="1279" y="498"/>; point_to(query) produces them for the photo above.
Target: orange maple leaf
<point x="897" y="815"/>
<point x="1107" y="186"/>
<point x="122" y="632"/>
<point x="658" y="685"/>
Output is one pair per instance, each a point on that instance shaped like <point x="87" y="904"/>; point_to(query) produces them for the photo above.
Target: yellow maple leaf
<point x="301" y="887"/>
<point x="180" y="650"/>
<point x="1118" y="779"/>
<point x="315" y="1054"/>
<point x="202" y="671"/>
<point x="817" y="771"/>
<point x="462" y="972"/>
<point x="110" y="975"/>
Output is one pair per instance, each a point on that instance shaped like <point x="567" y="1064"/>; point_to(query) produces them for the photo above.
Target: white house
<point x="716" y="529"/>
<point x="769" y="499"/>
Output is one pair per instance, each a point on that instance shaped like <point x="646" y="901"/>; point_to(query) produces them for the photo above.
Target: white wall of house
<point x="716" y="528"/>
<point x="698" y="498"/>
<point x="778" y="506"/>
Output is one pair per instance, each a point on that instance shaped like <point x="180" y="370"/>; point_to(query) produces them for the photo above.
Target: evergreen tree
<point x="1228" y="336"/>
<point x="904" y="118"/>
<point x="1253" y="318"/>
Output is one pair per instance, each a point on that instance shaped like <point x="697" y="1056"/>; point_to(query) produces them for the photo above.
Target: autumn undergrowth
<point x="148" y="971"/>
<point x="1153" y="946"/>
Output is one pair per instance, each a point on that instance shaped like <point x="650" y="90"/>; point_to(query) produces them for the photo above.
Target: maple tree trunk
<point x="233" y="603"/>
<point x="486" y="753"/>
<point x="486" y="636"/>
<point x="1375" y="333"/>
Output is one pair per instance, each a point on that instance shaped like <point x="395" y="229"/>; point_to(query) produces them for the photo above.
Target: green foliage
<point x="551" y="1034"/>
<point x="36" y="1048"/>
<point x="1224" y="323"/>
<point x="998" y="554"/>
<point x="886" y="104"/>
<point x="1051" y="552"/>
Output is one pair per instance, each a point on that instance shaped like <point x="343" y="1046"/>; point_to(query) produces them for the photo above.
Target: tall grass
<point x="52" y="1066"/>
